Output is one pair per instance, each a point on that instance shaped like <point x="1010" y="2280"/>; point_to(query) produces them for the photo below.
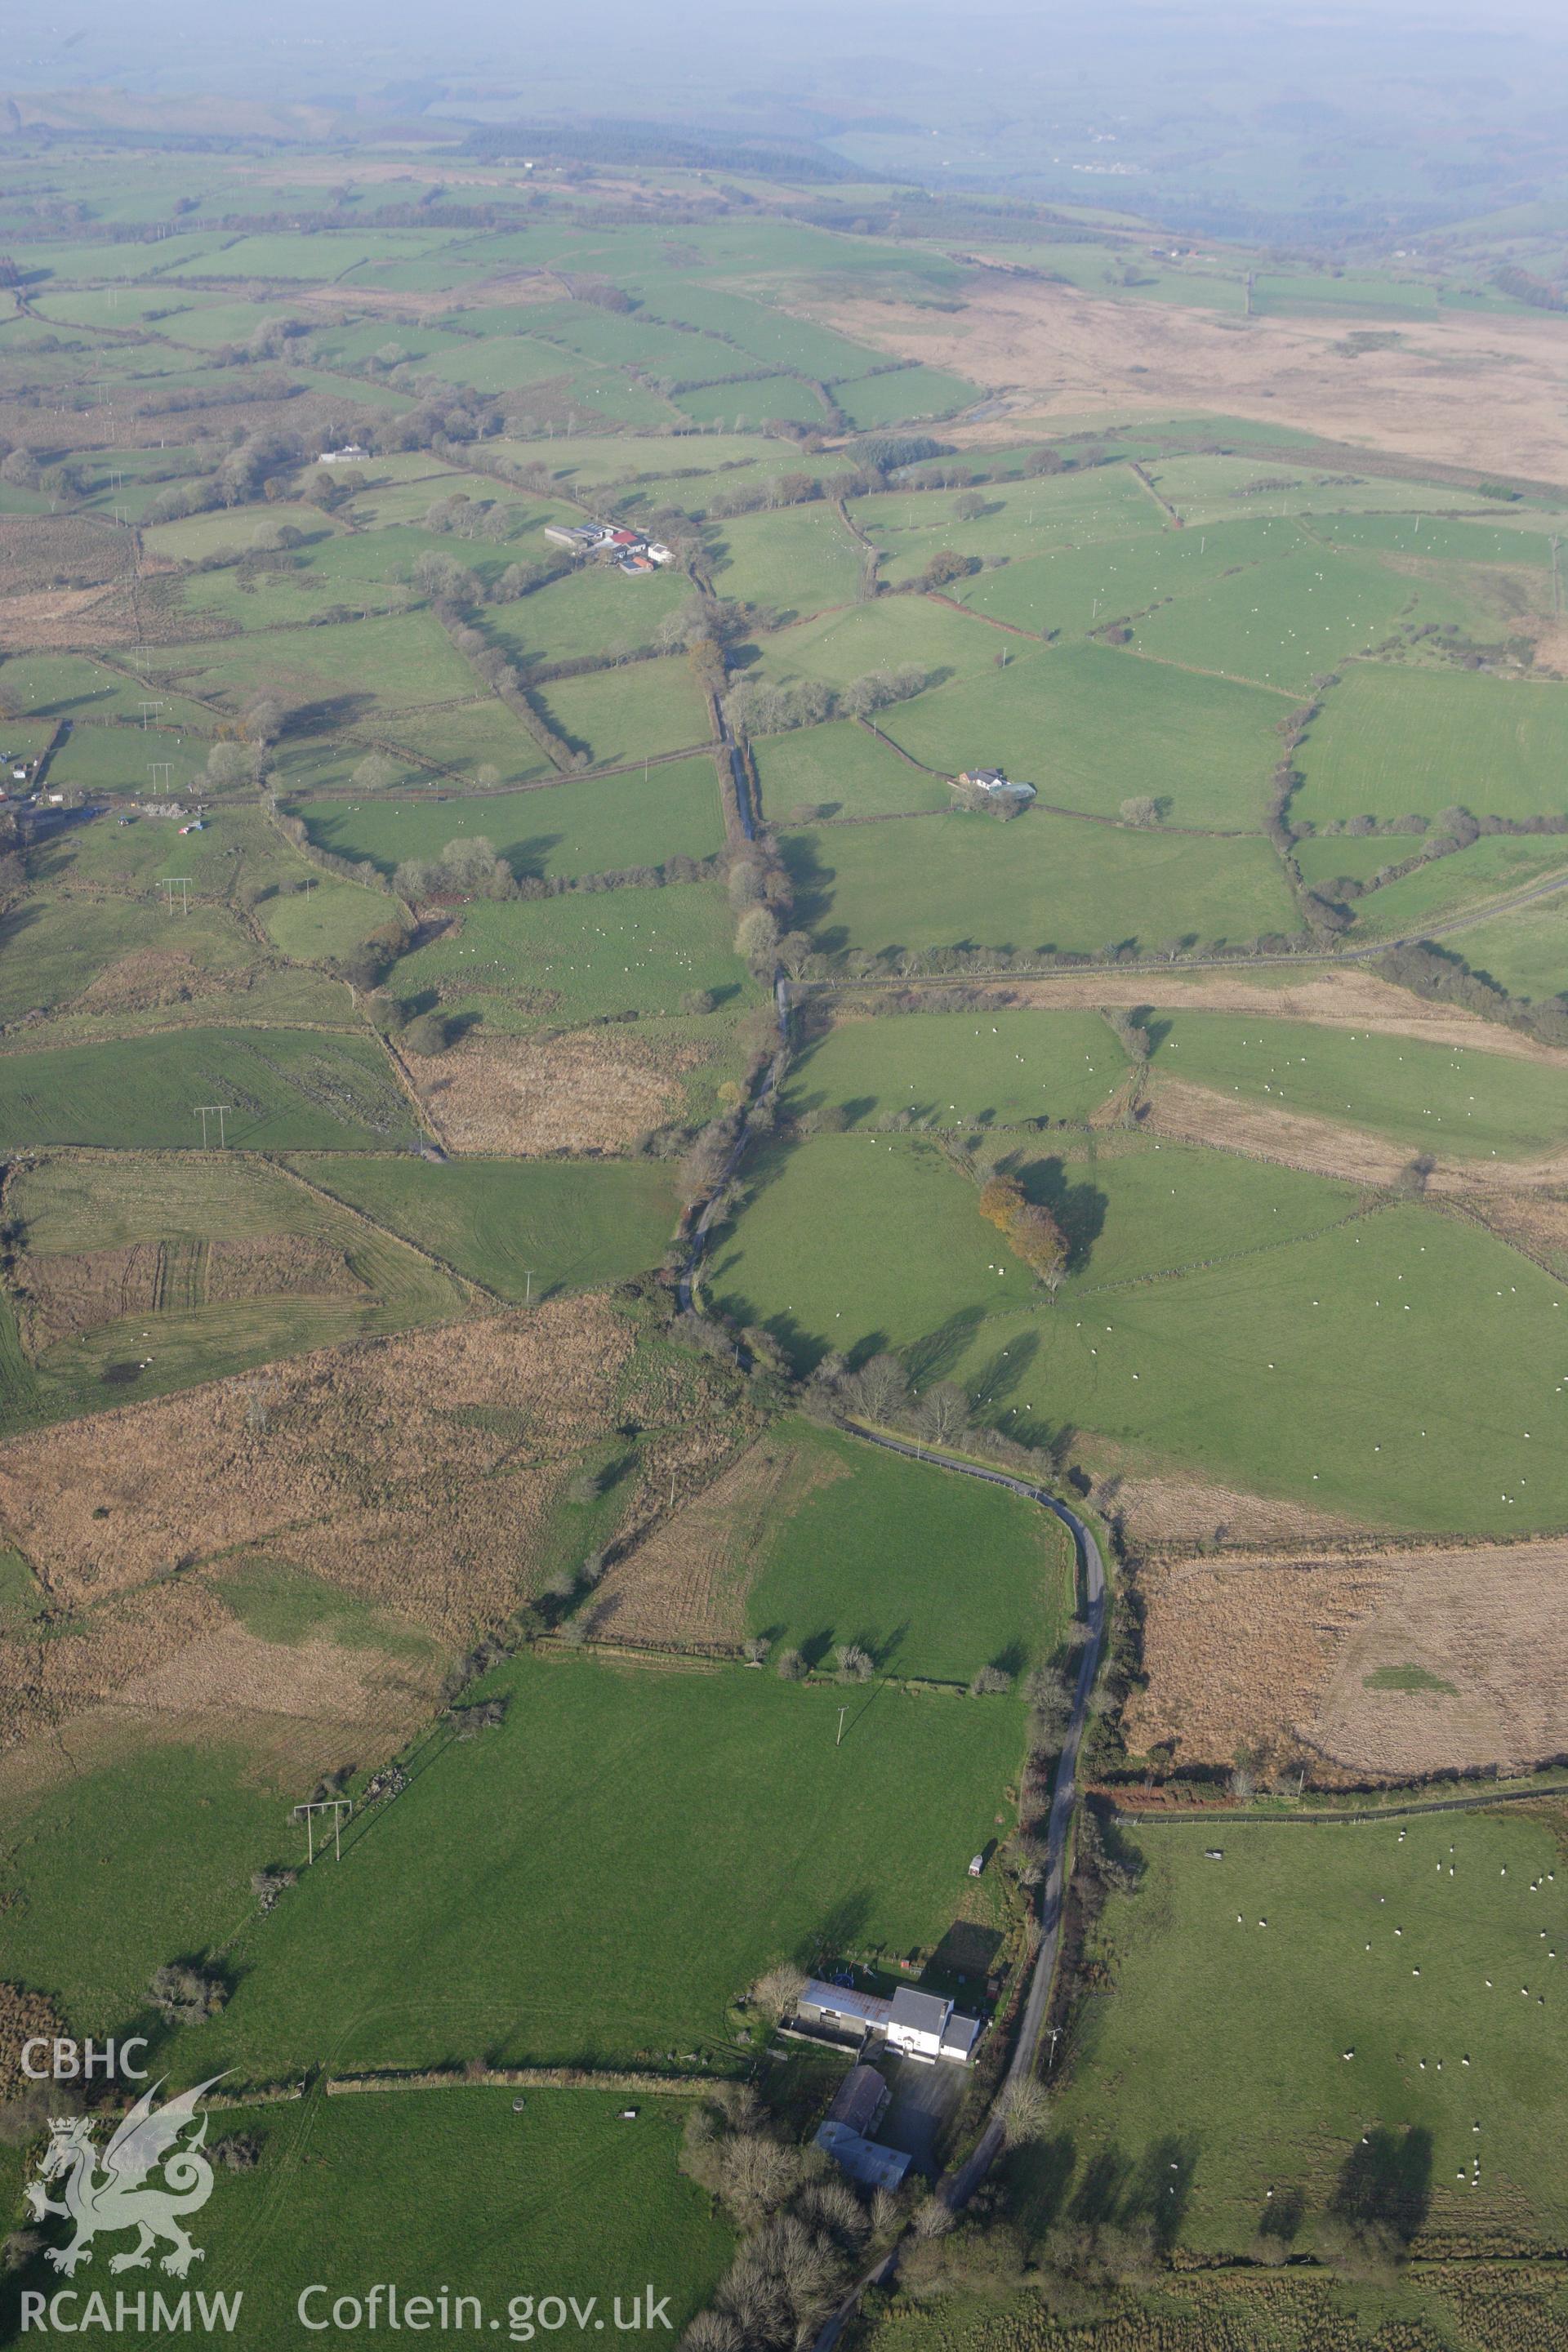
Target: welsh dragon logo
<point x="114" y="2193"/>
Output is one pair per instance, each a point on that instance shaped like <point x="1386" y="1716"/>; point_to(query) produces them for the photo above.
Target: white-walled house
<point x="921" y="2025"/>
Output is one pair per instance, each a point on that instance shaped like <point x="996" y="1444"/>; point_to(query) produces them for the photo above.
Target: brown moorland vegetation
<point x="588" y="1090"/>
<point x="1478" y="391"/>
<point x="684" y="1586"/>
<point x="1389" y="1664"/>
<point x="353" y="1455"/>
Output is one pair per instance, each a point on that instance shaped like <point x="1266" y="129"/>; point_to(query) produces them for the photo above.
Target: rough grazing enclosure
<point x="592" y="1090"/>
<point x="685" y="1585"/>
<point x="77" y="1292"/>
<point x="346" y="1455"/>
<point x="1387" y="1664"/>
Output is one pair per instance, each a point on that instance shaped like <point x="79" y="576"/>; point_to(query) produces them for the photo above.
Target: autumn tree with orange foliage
<point x="1033" y="1231"/>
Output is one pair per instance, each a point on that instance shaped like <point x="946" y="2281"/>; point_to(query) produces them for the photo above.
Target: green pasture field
<point x="328" y="254"/>
<point x="706" y="1820"/>
<point x="1104" y="502"/>
<point x="584" y="956"/>
<point x="838" y="646"/>
<point x="1090" y="727"/>
<point x="799" y="558"/>
<point x="68" y="264"/>
<point x="91" y="1935"/>
<point x="599" y="390"/>
<point x="1390" y="742"/>
<point x="349" y="562"/>
<point x="1290" y="1352"/>
<point x="359" y="667"/>
<point x="1076" y="588"/>
<point x="1228" y="2041"/>
<point x="15" y="500"/>
<point x="1432" y="538"/>
<point x="352" y="344"/>
<point x="934" y="1576"/>
<point x="1296" y="618"/>
<point x="198" y="535"/>
<point x="1285" y="295"/>
<point x="21" y="1595"/>
<point x="385" y="502"/>
<point x="1130" y="1216"/>
<point x="594" y="610"/>
<point x="502" y="363"/>
<point x="620" y="715"/>
<point x="23" y="739"/>
<point x="1525" y="951"/>
<point x="278" y="600"/>
<point x="237" y="846"/>
<point x="54" y="945"/>
<point x="569" y="828"/>
<point x="1002" y="1068"/>
<point x="570" y="1225"/>
<point x="1438" y="1099"/>
<point x="118" y="760"/>
<point x="1042" y="881"/>
<point x="289" y="1089"/>
<point x="1326" y="858"/>
<point x="757" y="400"/>
<point x="903" y="394"/>
<point x="373" y="2188"/>
<point x="129" y="306"/>
<point x="763" y="334"/>
<point x="586" y="462"/>
<point x="843" y="769"/>
<point x="1490" y="867"/>
<point x="324" y="919"/>
<point x="1211" y="489"/>
<point x="457" y="737"/>
<point x="75" y="686"/>
<point x="184" y="1203"/>
<point x="632" y="339"/>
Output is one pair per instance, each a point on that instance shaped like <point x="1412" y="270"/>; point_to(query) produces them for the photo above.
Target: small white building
<point x="350" y="453"/>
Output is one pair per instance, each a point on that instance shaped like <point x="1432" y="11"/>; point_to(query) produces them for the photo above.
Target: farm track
<point x="1348" y="1818"/>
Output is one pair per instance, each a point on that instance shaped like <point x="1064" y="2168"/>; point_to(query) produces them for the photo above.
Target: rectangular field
<point x="1394" y="742"/>
<point x="288" y="1088"/>
<point x="1006" y="1068"/>
<point x="566" y="828"/>
<point x="525" y="1228"/>
<point x="1437" y="1098"/>
<point x="1090" y="727"/>
<point x="1044" y="881"/>
<point x="1314" y="1986"/>
<point x="706" y="1819"/>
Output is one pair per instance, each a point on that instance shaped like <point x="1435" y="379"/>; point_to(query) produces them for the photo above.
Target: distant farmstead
<point x="629" y="548"/>
<point x="350" y="453"/>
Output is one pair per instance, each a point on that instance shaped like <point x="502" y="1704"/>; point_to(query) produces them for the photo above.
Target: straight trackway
<point x="956" y="2188"/>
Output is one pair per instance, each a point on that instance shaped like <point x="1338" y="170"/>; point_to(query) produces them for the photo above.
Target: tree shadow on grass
<point x="839" y="1929"/>
<point x="1079" y="1209"/>
<point x="527" y="859"/>
<point x="1387" y="2183"/>
<point x="933" y="1359"/>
